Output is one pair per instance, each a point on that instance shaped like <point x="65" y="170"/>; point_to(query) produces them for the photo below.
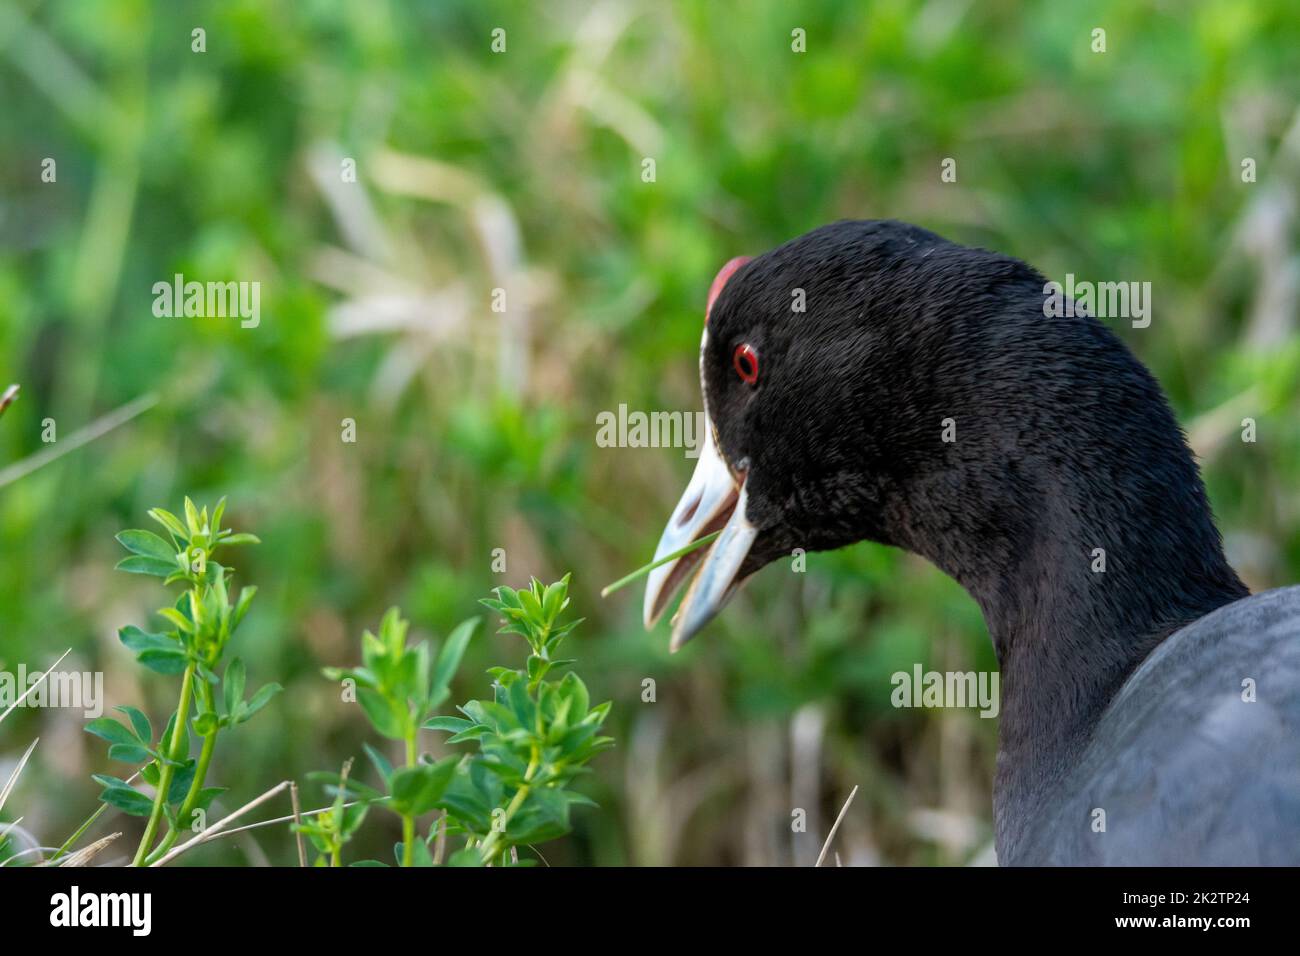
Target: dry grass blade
<point x="96" y="429"/>
<point x="8" y="397"/>
<point x="221" y="824"/>
<point x="838" y="820"/>
<point x="287" y="819"/>
<point x="35" y="684"/>
<point x="87" y="853"/>
<point x="297" y="819"/>
<point x="440" y="842"/>
<point x="86" y="825"/>
<point x="13" y="777"/>
<point x="5" y="830"/>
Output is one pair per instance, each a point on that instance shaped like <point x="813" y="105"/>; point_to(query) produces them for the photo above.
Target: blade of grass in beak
<point x="643" y="571"/>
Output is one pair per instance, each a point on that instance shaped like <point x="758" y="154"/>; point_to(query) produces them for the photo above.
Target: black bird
<point x="1158" y="691"/>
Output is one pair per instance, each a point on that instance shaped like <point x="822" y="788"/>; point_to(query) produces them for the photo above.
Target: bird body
<point x="925" y="398"/>
<point x="1195" y="762"/>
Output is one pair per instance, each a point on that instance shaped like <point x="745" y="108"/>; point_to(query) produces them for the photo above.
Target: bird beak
<point x="714" y="499"/>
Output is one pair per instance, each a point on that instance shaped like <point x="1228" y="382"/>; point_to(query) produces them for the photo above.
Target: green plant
<point x="202" y="620"/>
<point x="330" y="831"/>
<point x="532" y="739"/>
<point x="399" y="688"/>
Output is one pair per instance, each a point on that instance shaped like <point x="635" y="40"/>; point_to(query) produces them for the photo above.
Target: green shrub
<point x="531" y="739"/>
<point x="203" y="621"/>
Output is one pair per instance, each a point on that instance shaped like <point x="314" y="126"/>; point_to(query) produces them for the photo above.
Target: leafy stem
<point x="192" y="798"/>
<point x="202" y="622"/>
<point x="408" y="819"/>
<point x="174" y="755"/>
<point x="488" y="850"/>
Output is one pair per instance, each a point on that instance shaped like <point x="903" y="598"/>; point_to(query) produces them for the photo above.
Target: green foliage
<point x="203" y="620"/>
<point x="475" y="429"/>
<point x="330" y="831"/>
<point x="532" y="739"/>
<point x="398" y="686"/>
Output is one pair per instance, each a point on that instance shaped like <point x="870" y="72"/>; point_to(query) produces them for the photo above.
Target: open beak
<point x="714" y="500"/>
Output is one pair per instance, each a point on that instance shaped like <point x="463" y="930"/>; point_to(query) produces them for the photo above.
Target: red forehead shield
<point x="720" y="280"/>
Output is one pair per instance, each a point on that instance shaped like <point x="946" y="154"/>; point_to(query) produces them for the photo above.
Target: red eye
<point x="745" y="359"/>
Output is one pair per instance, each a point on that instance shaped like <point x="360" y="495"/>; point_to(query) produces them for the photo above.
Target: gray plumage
<point x="1187" y="772"/>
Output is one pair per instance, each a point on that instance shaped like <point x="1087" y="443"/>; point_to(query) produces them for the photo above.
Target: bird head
<point x="799" y="370"/>
<point x="870" y="380"/>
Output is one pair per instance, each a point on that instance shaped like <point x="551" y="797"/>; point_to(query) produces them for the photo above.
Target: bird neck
<point x="1082" y="565"/>
<point x="1071" y="617"/>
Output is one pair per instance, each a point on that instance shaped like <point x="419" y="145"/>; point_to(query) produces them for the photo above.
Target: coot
<point x="873" y="381"/>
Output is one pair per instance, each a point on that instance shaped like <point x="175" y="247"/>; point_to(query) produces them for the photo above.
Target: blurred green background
<point x="476" y="430"/>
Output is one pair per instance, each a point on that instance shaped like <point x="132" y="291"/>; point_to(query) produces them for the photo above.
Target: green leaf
<point x="170" y="522"/>
<point x="418" y="789"/>
<point x="579" y="800"/>
<point x="206" y="796"/>
<point x="528" y="601"/>
<point x="465" y="857"/>
<point x="206" y="723"/>
<point x="140" y="640"/>
<point x="381" y="713"/>
<point x="242" y="539"/>
<point x="192" y="517"/>
<point x="165" y="746"/>
<point x="241" y="606"/>
<point x="106" y="780"/>
<point x="148" y="544"/>
<point x="233" y="686"/>
<point x="128" y="753"/>
<point x="130" y="801"/>
<point x="556" y="597"/>
<point x="537" y="668"/>
<point x="112" y="731"/>
<point x="207" y="673"/>
<point x="140" y="564"/>
<point x="260" y="700"/>
<point x="544" y="816"/>
<point x="139" y="722"/>
<point x="181" y="781"/>
<point x="163" y="660"/>
<point x="420" y="854"/>
<point x="522" y="705"/>
<point x="573" y="688"/>
<point x="473" y="733"/>
<point x="382" y="763"/>
<point x="449" y="657"/>
<point x="453" y="724"/>
<point x="184" y="623"/>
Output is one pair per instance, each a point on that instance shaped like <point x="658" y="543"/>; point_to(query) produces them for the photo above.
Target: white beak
<point x="713" y="500"/>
